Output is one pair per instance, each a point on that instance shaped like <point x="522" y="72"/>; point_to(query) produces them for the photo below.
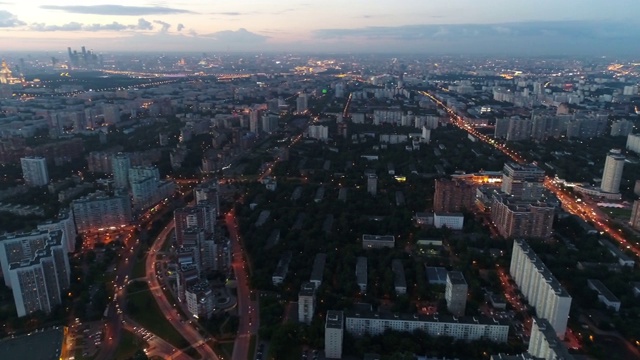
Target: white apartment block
<point x="320" y="132"/>
<point x="544" y="344"/>
<point x="333" y="334"/>
<point x="37" y="270"/>
<point x="633" y="143"/>
<point x="377" y="241"/>
<point x="65" y="223"/>
<point x="456" y="293"/>
<point x="541" y="289"/>
<point x="200" y="300"/>
<point x="453" y="221"/>
<point x="461" y="328"/>
<point x="306" y="302"/>
<point x="34" y="171"/>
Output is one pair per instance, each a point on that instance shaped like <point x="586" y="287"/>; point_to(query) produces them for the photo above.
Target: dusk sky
<point x="546" y="27"/>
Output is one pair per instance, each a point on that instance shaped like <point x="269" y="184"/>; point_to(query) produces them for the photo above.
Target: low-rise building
<point x="317" y="271"/>
<point x="460" y="328"/>
<point x="361" y="274"/>
<point x="281" y="270"/>
<point x="605" y="296"/>
<point x="453" y="221"/>
<point x="377" y="241"/>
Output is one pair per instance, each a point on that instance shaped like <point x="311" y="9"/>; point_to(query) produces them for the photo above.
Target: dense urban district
<point x="243" y="206"/>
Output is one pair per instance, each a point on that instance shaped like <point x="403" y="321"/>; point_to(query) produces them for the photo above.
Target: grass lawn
<point x="128" y="345"/>
<point x="144" y="309"/>
<point x="224" y="348"/>
<point x="617" y="212"/>
<point x="138" y="268"/>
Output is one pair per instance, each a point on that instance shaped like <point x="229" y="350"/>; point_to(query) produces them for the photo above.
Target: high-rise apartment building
<point x="200" y="300"/>
<point x="333" y="334"/>
<point x="65" y="223"/>
<point x="36" y="267"/>
<point x="514" y="218"/>
<point x="612" y="174"/>
<point x="372" y="184"/>
<point x="34" y="170"/>
<point x="453" y="195"/>
<point x="538" y="285"/>
<point x="98" y="211"/>
<point x="208" y="192"/>
<point x="302" y="103"/>
<point x="456" y="293"/>
<point x="306" y="302"/>
<point x="523" y="181"/>
<point x="544" y="343"/>
<point x="201" y="216"/>
<point x="362" y="274"/>
<point x="120" y="165"/>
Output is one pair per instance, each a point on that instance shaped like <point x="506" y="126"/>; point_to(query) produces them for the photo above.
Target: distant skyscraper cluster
<point x="83" y="59"/>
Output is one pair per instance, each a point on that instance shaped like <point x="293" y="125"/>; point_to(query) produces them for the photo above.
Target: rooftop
<point x="456" y="278"/>
<point x="603" y="290"/>
<point x="439" y="318"/>
<point x="334" y="319"/>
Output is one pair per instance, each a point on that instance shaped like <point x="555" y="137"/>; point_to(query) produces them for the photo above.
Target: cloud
<point x="116" y="10"/>
<point x="180" y="27"/>
<point x="75" y="26"/>
<point x="230" y="13"/>
<point x="165" y="26"/>
<point x="143" y="25"/>
<point x="564" y="29"/>
<point x="240" y="36"/>
<point x="8" y="20"/>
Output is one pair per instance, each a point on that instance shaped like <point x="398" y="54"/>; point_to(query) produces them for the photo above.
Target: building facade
<point x="460" y="328"/>
<point x="99" y="211"/>
<point x="36" y="268"/>
<point x="333" y="334"/>
<point x="514" y="218"/>
<point x="34" y="170"/>
<point x="306" y="302"/>
<point x="453" y="195"/>
<point x="523" y="181"/>
<point x="456" y="293"/>
<point x="544" y="343"/>
<point x="612" y="174"/>
<point x="541" y="289"/>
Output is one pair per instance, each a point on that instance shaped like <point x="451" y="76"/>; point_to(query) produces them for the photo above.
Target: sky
<point x="519" y="27"/>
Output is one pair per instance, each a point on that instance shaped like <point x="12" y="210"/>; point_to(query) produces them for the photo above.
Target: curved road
<point x="189" y="333"/>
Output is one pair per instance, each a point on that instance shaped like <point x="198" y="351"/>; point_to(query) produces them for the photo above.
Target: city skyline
<point x="462" y="26"/>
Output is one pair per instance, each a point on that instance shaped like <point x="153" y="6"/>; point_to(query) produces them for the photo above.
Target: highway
<point x="171" y="314"/>
<point x="586" y="211"/>
<point x="115" y="308"/>
<point x="247" y="308"/>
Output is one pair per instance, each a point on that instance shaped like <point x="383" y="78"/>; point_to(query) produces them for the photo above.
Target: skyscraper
<point x="34" y="171"/>
<point x="612" y="174"/>
<point x="120" y="165"/>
